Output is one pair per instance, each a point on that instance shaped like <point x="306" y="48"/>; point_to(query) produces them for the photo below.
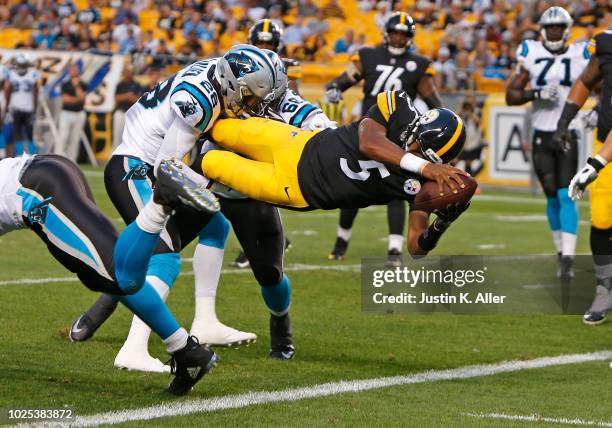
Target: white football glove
<point x="548" y="93"/>
<point x="581" y="180"/>
<point x="318" y="122"/>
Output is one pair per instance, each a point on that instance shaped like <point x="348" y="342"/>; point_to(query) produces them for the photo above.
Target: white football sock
<point x="207" y="264"/>
<point x="568" y="244"/>
<point x="176" y="341"/>
<point x="396" y="242"/>
<point x="556" y="234"/>
<point x="205" y="310"/>
<point x="344" y="233"/>
<point x="138" y="337"/>
<point x="152" y="217"/>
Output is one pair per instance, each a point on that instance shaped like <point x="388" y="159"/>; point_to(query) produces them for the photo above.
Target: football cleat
<point x="87" y="324"/>
<point x="598" y="311"/>
<point x="281" y="339"/>
<point x="141" y="361"/>
<point x="188" y="365"/>
<point x="566" y="269"/>
<point x="394" y="258"/>
<point x="339" y="250"/>
<point x="176" y="186"/>
<point x="242" y="261"/>
<point x="219" y="334"/>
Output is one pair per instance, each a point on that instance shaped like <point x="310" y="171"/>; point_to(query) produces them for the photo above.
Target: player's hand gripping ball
<point x="429" y="199"/>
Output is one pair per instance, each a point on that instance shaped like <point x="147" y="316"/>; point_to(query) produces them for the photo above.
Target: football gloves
<point x="451" y="213"/>
<point x="583" y="178"/>
<point x="547" y="93"/>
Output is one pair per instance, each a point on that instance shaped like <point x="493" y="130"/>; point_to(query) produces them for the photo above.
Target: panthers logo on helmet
<point x="187" y="108"/>
<point x="241" y="64"/>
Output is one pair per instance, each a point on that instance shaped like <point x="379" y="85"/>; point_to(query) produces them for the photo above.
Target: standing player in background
<point x="21" y="93"/>
<point x="333" y="106"/>
<point x="598" y="69"/>
<point x="550" y="66"/>
<point x="266" y="34"/>
<point x="386" y="67"/>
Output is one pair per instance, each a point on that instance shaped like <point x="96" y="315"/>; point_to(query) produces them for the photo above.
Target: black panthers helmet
<point x="440" y="135"/>
<point x="399" y="22"/>
<point x="266" y="31"/>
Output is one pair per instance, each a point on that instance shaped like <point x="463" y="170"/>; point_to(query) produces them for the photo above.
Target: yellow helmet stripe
<point x="383" y="105"/>
<point x="266" y="26"/>
<point x="402" y="18"/>
<point x="453" y="139"/>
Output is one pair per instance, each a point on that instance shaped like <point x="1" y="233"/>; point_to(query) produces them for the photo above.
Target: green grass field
<point x="334" y="339"/>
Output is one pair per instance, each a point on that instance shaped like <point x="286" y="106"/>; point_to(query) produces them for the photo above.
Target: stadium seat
<point x="148" y="19"/>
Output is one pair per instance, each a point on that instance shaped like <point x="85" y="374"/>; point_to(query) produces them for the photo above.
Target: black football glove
<point x="562" y="138"/>
<point x="451" y="212"/>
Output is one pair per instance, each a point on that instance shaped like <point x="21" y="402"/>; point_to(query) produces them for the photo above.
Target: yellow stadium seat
<point x="81" y="4"/>
<point x="107" y="13"/>
<point x="148" y="19"/>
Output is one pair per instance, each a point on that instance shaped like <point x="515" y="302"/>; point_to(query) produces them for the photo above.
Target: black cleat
<point x="177" y="185"/>
<point x="394" y="258"/>
<point x="242" y="261"/>
<point x="189" y="365"/>
<point x="87" y="324"/>
<point x="566" y="268"/>
<point x="339" y="250"/>
<point x="602" y="303"/>
<point x="594" y="318"/>
<point x="287" y="244"/>
<point x="281" y="339"/>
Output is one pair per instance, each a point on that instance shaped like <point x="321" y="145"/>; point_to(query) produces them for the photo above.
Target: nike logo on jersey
<point x="287" y="192"/>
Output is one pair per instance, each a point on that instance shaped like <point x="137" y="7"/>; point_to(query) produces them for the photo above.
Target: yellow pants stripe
<point x="600" y="195"/>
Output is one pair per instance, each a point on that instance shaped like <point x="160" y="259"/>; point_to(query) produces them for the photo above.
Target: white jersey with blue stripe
<point x="22" y="89"/>
<point x="10" y="203"/>
<point x="296" y="111"/>
<point x="548" y="69"/>
<point x="189" y="94"/>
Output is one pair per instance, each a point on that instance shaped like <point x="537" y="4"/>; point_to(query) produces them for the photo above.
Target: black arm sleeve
<point x="343" y="82"/>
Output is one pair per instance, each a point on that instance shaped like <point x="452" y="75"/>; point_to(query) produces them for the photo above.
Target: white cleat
<point x="139" y="361"/>
<point x="219" y="334"/>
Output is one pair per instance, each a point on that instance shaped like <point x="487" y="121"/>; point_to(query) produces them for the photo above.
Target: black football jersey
<point x="382" y="72"/>
<point x="603" y="51"/>
<point x="333" y="173"/>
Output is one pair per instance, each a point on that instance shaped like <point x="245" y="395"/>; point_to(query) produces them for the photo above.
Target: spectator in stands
<point x="464" y="71"/>
<point x="167" y="18"/>
<point x="195" y="24"/>
<point x="317" y="50"/>
<point x="504" y="60"/>
<point x="231" y="36"/>
<point x="602" y="7"/>
<point x="470" y="157"/>
<point x="126" y="10"/>
<point x="344" y="44"/>
<point x="332" y="9"/>
<point x="359" y="43"/>
<point x="307" y="8"/>
<point x="65" y="8"/>
<point x="90" y="15"/>
<point x="366" y="5"/>
<point x="66" y="40"/>
<point x="128" y="45"/>
<point x="23" y="19"/>
<point x="296" y="33"/>
<point x="105" y="35"/>
<point x="481" y="57"/>
<point x="121" y="32"/>
<point x="195" y="45"/>
<point x="185" y="55"/>
<point x="445" y="70"/>
<point x="44" y="38"/>
<point x="382" y="14"/>
<point x="162" y="57"/>
<point x="23" y="4"/>
<point x="318" y="25"/>
<point x="275" y="15"/>
<point x="127" y="93"/>
<point x="72" y="117"/>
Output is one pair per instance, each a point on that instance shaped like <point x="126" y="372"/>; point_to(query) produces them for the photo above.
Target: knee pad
<point x="215" y="232"/>
<point x="267" y="276"/>
<point x="165" y="266"/>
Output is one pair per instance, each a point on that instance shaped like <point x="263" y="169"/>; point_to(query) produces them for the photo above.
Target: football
<point x="429" y="199"/>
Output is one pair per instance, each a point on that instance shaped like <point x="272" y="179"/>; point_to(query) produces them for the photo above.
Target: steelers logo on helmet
<point x="440" y="135"/>
<point x="412" y="186"/>
<point x="266" y="34"/>
<point x="399" y="32"/>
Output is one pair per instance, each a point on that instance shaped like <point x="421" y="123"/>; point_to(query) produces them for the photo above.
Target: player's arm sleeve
<point x="178" y="141"/>
<point x="192" y="106"/>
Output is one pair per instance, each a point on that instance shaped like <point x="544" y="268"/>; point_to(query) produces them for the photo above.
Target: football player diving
<point x="599" y="69"/>
<point x="49" y="195"/>
<point x="361" y="164"/>
<point x="166" y="123"/>
<point x="550" y="66"/>
<point x="390" y="66"/>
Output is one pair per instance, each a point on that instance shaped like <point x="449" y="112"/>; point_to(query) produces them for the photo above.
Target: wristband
<point x="597" y="162"/>
<point x="413" y="163"/>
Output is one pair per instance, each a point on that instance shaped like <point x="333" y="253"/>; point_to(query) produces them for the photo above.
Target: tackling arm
<point x="350" y="77"/>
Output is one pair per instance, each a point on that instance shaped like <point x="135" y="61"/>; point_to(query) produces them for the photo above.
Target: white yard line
<point x="236" y="401"/>
<point x="294" y="267"/>
<point x="538" y="418"/>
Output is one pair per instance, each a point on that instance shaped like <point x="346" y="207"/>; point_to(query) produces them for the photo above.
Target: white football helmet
<point x="247" y="78"/>
<point x="282" y="81"/>
<point x="555" y="16"/>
